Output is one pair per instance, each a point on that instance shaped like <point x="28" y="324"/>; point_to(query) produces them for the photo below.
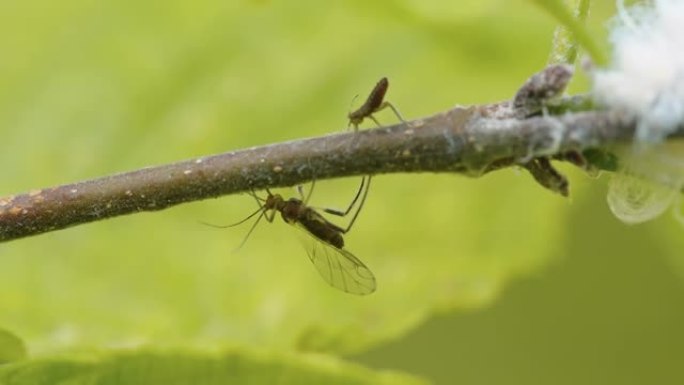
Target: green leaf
<point x="12" y="348"/>
<point x="601" y="159"/>
<point x="575" y="25"/>
<point x="564" y="47"/>
<point x="92" y="89"/>
<point x="175" y="368"/>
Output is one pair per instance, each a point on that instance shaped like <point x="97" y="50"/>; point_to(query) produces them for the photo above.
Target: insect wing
<point x="340" y="268"/>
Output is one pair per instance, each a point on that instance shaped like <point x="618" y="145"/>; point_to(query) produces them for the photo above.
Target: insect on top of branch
<point x="374" y="103"/>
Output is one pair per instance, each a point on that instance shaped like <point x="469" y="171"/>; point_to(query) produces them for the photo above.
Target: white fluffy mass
<point x="646" y="76"/>
<point x="646" y="79"/>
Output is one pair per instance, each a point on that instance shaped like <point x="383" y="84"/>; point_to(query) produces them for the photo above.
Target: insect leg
<point x="358" y="210"/>
<point x="386" y="104"/>
<point x="382" y="107"/>
<point x="364" y="183"/>
<point x="351" y="121"/>
<point x="256" y="198"/>
<point x="306" y="198"/>
<point x="271" y="217"/>
<point x="341" y="213"/>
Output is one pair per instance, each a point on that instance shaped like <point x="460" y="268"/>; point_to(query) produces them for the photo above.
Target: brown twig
<point x="466" y="140"/>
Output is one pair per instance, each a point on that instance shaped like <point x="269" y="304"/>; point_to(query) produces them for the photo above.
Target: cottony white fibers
<point x="646" y="79"/>
<point x="646" y="76"/>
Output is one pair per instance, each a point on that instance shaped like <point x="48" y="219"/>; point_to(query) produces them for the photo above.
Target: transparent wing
<point x="340" y="268"/>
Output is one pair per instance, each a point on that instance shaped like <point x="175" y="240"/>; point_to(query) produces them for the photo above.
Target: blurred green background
<point x="480" y="281"/>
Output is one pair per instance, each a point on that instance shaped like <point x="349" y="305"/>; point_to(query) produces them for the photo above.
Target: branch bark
<point x="465" y="140"/>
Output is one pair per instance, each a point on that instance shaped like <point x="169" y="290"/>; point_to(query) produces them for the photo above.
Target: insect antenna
<point x="350" y="106"/>
<point x="260" y="209"/>
<point x="251" y="229"/>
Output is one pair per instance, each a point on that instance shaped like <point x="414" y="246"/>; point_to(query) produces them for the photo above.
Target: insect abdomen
<point x="374" y="101"/>
<point x="324" y="232"/>
<point x="377" y="95"/>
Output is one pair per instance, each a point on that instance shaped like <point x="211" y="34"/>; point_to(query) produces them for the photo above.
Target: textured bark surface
<point x="467" y="140"/>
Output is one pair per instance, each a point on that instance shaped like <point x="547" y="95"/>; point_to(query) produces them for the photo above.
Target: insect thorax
<point x="290" y="210"/>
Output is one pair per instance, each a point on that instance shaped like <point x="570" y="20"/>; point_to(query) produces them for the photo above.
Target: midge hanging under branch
<point x="374" y="103"/>
<point x="469" y="140"/>
<point x="337" y="265"/>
